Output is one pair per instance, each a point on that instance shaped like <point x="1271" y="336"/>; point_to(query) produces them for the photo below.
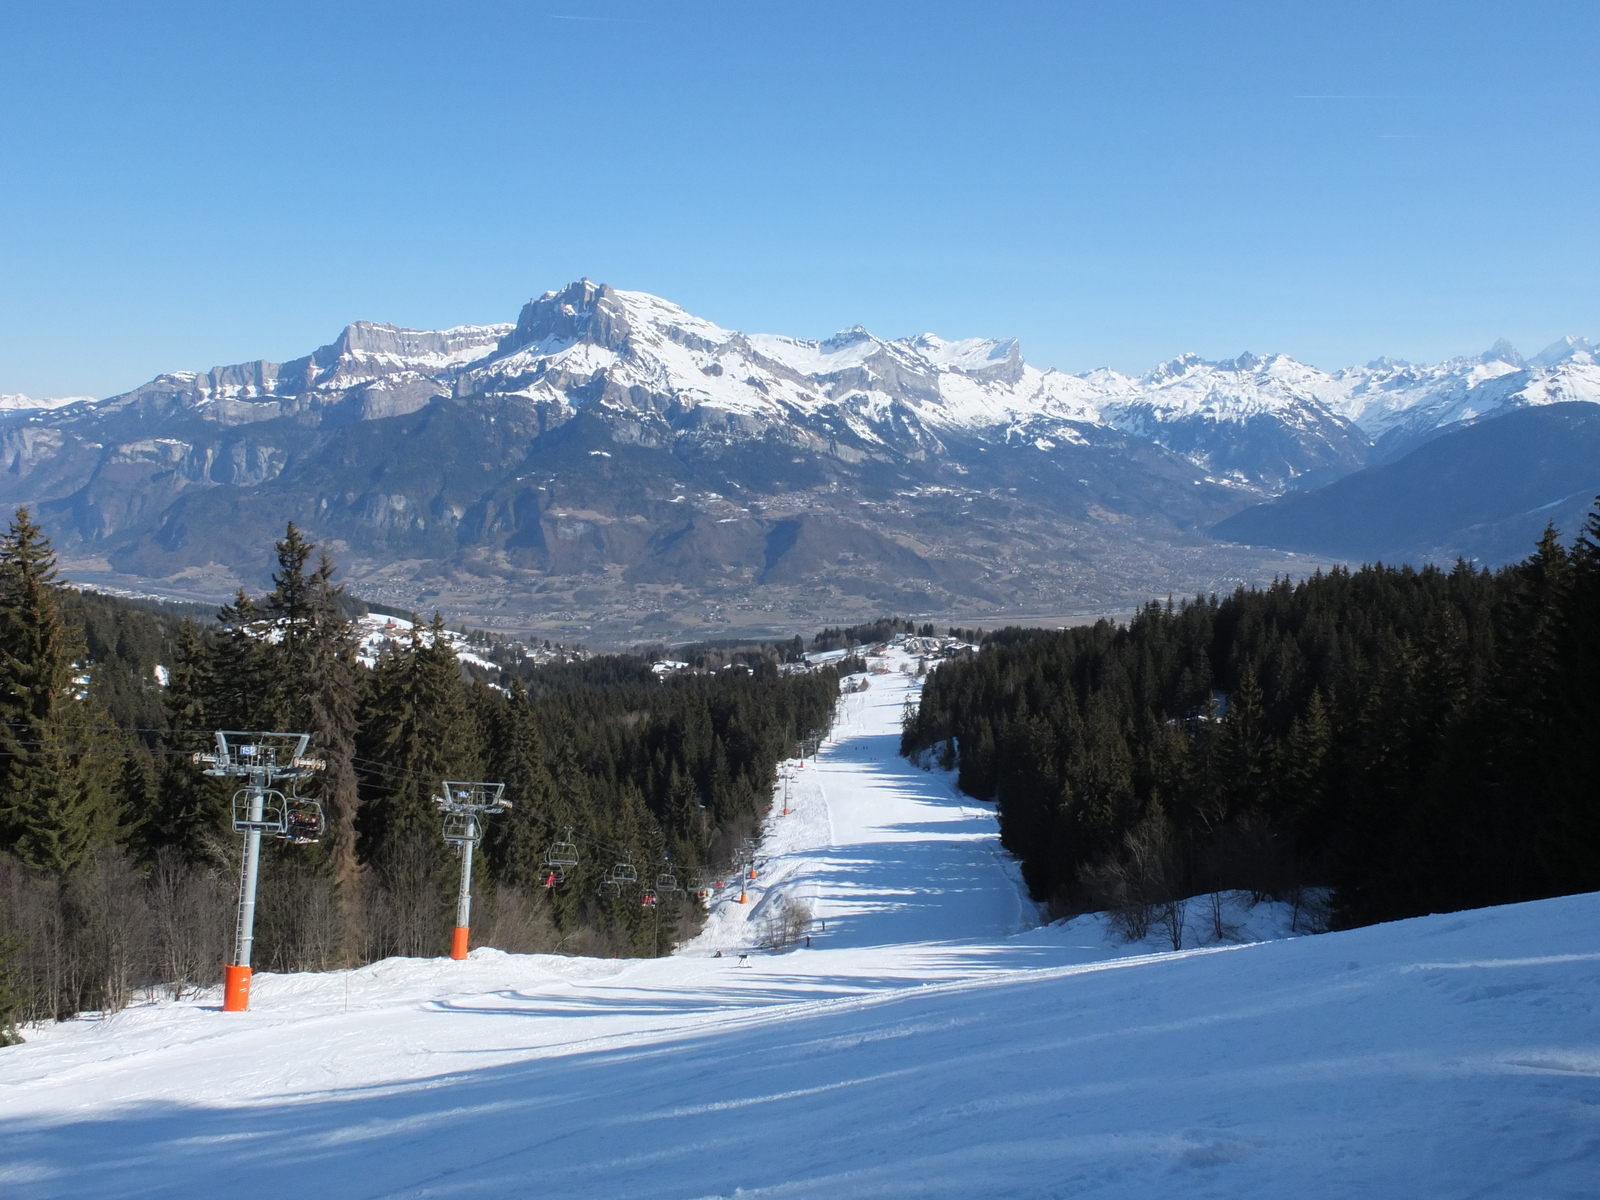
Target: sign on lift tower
<point x="465" y="805"/>
<point x="261" y="760"/>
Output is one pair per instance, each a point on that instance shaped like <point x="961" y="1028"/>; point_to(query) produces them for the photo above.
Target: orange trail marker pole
<point x="458" y="939"/>
<point x="236" y="975"/>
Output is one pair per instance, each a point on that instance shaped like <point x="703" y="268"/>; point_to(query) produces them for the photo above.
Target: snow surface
<point x="374" y="632"/>
<point x="932" y="1042"/>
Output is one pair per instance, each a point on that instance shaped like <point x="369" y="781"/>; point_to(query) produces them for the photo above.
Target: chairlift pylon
<point x="465" y="805"/>
<point x="262" y="758"/>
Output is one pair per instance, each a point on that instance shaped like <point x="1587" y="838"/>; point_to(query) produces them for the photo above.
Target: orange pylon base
<point x="743" y="899"/>
<point x="235" y="989"/>
<point x="458" y="942"/>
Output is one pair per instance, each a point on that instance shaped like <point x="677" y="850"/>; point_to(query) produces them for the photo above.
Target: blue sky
<point x="183" y="185"/>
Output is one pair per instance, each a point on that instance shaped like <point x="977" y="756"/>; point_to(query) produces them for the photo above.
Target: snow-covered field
<point x="932" y="1041"/>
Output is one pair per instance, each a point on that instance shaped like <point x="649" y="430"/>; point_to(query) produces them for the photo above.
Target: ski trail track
<point x="931" y="1042"/>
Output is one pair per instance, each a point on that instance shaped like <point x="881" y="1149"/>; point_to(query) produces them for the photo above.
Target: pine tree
<point x="134" y="797"/>
<point x="519" y="839"/>
<point x="574" y="808"/>
<point x="187" y="808"/>
<point x="1244" y="751"/>
<point x="242" y="687"/>
<point x="417" y="733"/>
<point x="1305" y="755"/>
<point x="331" y="684"/>
<point x="684" y="819"/>
<point x="55" y="803"/>
<point x="1568" y="767"/>
<point x="291" y="612"/>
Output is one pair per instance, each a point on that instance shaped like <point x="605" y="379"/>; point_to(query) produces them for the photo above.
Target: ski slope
<point x="932" y="1042"/>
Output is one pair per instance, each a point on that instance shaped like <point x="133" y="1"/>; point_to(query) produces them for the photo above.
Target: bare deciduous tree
<point x="785" y="922"/>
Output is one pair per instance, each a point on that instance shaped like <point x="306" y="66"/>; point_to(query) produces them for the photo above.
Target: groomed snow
<point x="931" y="1043"/>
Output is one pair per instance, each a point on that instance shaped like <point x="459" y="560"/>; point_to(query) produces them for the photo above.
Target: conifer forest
<point x="118" y="864"/>
<point x="1394" y="741"/>
<point x="1379" y="743"/>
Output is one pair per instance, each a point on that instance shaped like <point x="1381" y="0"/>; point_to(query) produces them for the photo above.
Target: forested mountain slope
<point x="1482" y="491"/>
<point x="1418" y="740"/>
<point x="117" y="855"/>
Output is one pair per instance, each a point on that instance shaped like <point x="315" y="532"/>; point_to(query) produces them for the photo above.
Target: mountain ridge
<point x="606" y="435"/>
<point x="968" y="383"/>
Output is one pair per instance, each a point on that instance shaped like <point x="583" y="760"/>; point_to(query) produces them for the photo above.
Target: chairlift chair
<point x="666" y="882"/>
<point x="268" y="818"/>
<point x="647" y="898"/>
<point x="562" y="854"/>
<point x="624" y="873"/>
<point x="461" y="827"/>
<point x="303" y="822"/>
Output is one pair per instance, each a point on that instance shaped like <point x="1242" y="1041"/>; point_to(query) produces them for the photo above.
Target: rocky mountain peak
<point x="1174" y="367"/>
<point x="366" y="350"/>
<point x="1502" y="351"/>
<point x="996" y="359"/>
<point x="580" y="312"/>
<point x="1567" y="349"/>
<point x="856" y="335"/>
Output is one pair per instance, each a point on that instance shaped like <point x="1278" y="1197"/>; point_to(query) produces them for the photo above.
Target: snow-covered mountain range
<point x="17" y="402"/>
<point x="630" y="351"/>
<point x="490" y="444"/>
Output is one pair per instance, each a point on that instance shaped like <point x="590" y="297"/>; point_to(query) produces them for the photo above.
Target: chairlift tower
<point x="261" y="760"/>
<point x="465" y="805"/>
